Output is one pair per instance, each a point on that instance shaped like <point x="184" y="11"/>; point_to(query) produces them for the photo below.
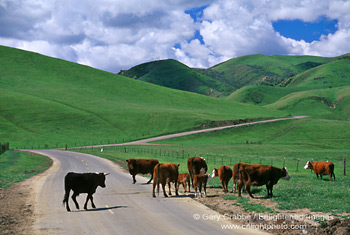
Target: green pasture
<point x="16" y="166"/>
<point x="289" y="143"/>
<point x="50" y="103"/>
<point x="299" y="192"/>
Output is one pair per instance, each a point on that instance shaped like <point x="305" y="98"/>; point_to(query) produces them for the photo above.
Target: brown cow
<point x="235" y="174"/>
<point x="225" y="174"/>
<point x="258" y="175"/>
<point x="196" y="165"/>
<point x="184" y="179"/>
<point x="165" y="173"/>
<point x="141" y="166"/>
<point x="321" y="168"/>
<point x="198" y="181"/>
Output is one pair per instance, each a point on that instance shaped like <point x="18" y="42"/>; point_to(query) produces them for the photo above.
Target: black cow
<point x="82" y="183"/>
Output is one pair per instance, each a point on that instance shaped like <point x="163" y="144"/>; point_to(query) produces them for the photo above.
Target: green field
<point x="17" y="166"/>
<point x="51" y="102"/>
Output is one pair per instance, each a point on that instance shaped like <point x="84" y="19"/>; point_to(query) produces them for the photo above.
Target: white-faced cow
<point x="141" y="166"/>
<point x="258" y="175"/>
<point x="225" y="174"/>
<point x="82" y="183"/>
<point x="321" y="168"/>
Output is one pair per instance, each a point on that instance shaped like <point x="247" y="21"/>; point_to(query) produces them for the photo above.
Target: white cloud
<point x="117" y="34"/>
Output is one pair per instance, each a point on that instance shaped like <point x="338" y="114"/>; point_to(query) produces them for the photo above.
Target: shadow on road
<point x="103" y="208"/>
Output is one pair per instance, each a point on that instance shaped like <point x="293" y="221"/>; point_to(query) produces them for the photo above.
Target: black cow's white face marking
<point x="287" y="177"/>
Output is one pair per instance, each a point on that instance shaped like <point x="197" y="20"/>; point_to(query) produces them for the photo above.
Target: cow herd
<point x="246" y="175"/>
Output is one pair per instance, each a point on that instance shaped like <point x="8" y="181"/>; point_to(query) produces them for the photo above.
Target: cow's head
<point x="131" y="163"/>
<point x="285" y="172"/>
<point x="308" y="165"/>
<point x="215" y="173"/>
<point x="102" y="179"/>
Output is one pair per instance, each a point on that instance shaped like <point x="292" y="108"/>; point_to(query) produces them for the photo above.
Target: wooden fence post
<point x="298" y="164"/>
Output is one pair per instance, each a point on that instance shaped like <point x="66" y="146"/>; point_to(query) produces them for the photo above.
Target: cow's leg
<point x="163" y="187"/>
<point x="163" y="183"/>
<point x="240" y="184"/>
<point x="169" y="188"/>
<point x="86" y="201"/>
<point x="317" y="175"/>
<point x="133" y="178"/>
<point x="75" y="200"/>
<point x="205" y="189"/>
<point x="92" y="201"/>
<point x="150" y="179"/>
<point x="200" y="188"/>
<point x="154" y="187"/>
<point x="268" y="188"/>
<point x="176" y="188"/>
<point x="185" y="186"/>
<point x="66" y="199"/>
<point x="223" y="185"/>
<point x="247" y="187"/>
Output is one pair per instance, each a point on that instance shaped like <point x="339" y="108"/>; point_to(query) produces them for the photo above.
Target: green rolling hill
<point x="173" y="74"/>
<point x="47" y="101"/>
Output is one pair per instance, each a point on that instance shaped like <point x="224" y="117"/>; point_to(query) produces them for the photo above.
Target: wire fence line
<point x="293" y="164"/>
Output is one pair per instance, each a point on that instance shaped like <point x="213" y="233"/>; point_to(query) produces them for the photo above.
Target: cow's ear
<point x="178" y="164"/>
<point x="127" y="160"/>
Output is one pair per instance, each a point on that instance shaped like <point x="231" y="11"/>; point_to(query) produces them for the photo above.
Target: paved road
<point x="122" y="207"/>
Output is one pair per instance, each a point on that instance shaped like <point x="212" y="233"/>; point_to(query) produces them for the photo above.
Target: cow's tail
<point x="158" y="166"/>
<point x="65" y="199"/>
<point x="331" y="168"/>
<point x="66" y="191"/>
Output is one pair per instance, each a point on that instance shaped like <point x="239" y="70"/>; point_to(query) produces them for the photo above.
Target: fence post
<point x="344" y="166"/>
<point x="298" y="164"/>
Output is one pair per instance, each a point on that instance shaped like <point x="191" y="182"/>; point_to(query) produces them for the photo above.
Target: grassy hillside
<point x="333" y="74"/>
<point x="266" y="70"/>
<point x="173" y="74"/>
<point x="47" y="101"/>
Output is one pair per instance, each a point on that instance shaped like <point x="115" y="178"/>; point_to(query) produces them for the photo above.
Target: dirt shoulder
<point x="301" y="221"/>
<point x="17" y="206"/>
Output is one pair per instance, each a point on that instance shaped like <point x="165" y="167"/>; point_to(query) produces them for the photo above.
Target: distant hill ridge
<point x="227" y="77"/>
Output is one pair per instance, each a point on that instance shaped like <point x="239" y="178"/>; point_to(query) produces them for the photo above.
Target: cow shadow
<point x="102" y="208"/>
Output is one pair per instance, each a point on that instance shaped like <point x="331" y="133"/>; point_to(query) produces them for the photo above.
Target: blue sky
<point x="115" y="35"/>
<point x="307" y="31"/>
